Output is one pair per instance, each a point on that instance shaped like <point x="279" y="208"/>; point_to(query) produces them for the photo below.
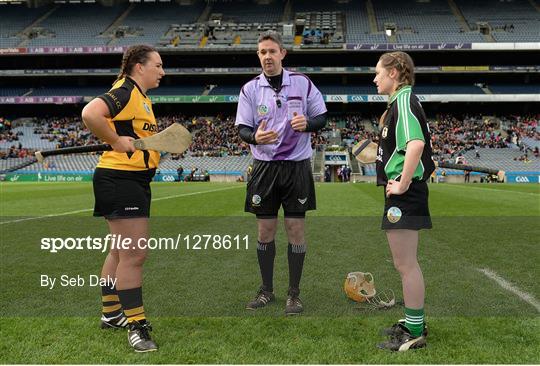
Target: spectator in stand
<point x="180" y="172"/>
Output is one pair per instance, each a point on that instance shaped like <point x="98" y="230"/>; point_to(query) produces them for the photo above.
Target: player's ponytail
<point x="137" y="54"/>
<point x="403" y="63"/>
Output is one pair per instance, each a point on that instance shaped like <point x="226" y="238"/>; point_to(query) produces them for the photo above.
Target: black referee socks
<point x="266" y="252"/>
<point x="296" y="254"/>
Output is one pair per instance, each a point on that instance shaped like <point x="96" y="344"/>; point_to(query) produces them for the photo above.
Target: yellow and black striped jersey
<point x="131" y="115"/>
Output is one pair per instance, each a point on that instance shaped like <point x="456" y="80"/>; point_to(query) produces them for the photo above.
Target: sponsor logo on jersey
<point x="150" y="127"/>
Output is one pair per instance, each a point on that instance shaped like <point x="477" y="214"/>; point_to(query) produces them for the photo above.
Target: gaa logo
<point x="384" y="132"/>
<point x="262" y="110"/>
<point x="335" y="98"/>
<point x="256" y="200"/>
<point x="393" y="214"/>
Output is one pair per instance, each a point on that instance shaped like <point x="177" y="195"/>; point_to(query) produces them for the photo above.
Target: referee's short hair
<point x="272" y="36"/>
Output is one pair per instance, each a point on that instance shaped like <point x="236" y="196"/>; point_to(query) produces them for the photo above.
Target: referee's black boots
<point x="261" y="299"/>
<point x="294" y="305"/>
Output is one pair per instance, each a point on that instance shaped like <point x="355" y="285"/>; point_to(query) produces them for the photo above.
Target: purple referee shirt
<point x="258" y="101"/>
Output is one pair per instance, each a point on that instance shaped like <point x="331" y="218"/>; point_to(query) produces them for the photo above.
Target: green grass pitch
<point x="195" y="298"/>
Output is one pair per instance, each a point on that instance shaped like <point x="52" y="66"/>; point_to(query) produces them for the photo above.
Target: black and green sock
<point x="414" y="321"/>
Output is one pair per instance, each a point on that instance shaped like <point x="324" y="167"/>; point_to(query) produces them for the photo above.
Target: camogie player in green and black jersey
<point x="404" y="164"/>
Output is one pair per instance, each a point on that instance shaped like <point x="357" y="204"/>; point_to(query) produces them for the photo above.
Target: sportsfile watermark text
<point x="117" y="241"/>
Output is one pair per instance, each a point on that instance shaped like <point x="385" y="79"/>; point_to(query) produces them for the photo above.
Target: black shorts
<point x="409" y="210"/>
<point x="280" y="183"/>
<point x="122" y="193"/>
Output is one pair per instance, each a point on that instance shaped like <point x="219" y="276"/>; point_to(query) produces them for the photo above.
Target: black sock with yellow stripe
<point x="110" y="301"/>
<point x="132" y="303"/>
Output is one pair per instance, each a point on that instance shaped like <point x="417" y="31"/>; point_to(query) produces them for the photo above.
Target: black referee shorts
<point x="409" y="210"/>
<point x="122" y="193"/>
<point x="280" y="183"/>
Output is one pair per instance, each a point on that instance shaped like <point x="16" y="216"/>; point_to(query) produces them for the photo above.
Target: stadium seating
<point x="15" y="18"/>
<point x="13" y="162"/>
<point x="490" y="158"/>
<point x="174" y="25"/>
<point x="502" y="159"/>
<point x="240" y="24"/>
<point x="28" y="139"/>
<point x="177" y="90"/>
<point x="87" y="163"/>
<point x="440" y="37"/>
<point x="13" y="92"/>
<point x="234" y="158"/>
<point x="520" y="18"/>
<point x="322" y="17"/>
<point x="151" y="22"/>
<point x="419" y="22"/>
<point x="514" y="88"/>
<point x="358" y="29"/>
<point x="447" y="89"/>
<point x="224" y="89"/>
<point x="97" y="90"/>
<point x="212" y="164"/>
<point x="532" y="143"/>
<point x="248" y="11"/>
<point x="519" y="37"/>
<point x="347" y="89"/>
<point x="80" y="23"/>
<point x="370" y="89"/>
<point x="69" y="90"/>
<point x="67" y="163"/>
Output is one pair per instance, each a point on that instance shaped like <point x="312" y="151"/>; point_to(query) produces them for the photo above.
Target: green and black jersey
<point x="405" y="121"/>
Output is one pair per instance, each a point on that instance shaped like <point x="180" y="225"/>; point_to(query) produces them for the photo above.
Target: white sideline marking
<point x="91" y="209"/>
<point x="195" y="193"/>
<point x="509" y="287"/>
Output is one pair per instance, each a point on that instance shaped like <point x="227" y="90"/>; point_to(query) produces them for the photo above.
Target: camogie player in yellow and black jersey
<point x="404" y="164"/>
<point x="122" y="187"/>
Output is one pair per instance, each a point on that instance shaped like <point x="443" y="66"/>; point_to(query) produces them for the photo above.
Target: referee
<point x="404" y="164"/>
<point x="122" y="187"/>
<point x="277" y="111"/>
